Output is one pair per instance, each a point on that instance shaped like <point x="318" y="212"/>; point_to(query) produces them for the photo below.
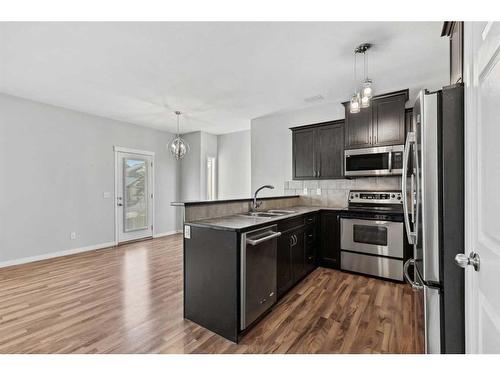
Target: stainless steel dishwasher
<point x="258" y="273"/>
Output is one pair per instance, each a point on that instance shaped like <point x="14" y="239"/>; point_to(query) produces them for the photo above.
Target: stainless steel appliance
<point x="258" y="273"/>
<point x="374" y="161"/>
<point x="432" y="184"/>
<point x="372" y="234"/>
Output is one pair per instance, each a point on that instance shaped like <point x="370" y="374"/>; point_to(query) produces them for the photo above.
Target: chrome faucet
<point x="256" y="204"/>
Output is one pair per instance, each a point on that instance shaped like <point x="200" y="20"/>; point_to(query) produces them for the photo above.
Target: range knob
<point x="392" y="196"/>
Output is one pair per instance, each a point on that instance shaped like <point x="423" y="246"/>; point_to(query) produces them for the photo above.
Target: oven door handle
<point x="410" y="139"/>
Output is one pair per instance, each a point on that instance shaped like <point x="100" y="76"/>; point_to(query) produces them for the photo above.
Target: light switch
<point x="305" y="191"/>
<point x="106" y="195"/>
<point x="187" y="232"/>
<point x="72" y="235"/>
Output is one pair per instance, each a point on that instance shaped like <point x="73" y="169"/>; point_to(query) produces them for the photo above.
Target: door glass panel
<point x="135" y="202"/>
<point x="367" y="162"/>
<point x="370" y="234"/>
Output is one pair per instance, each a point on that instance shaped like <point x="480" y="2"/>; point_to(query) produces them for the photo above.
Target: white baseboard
<point x="35" y="258"/>
<point x="169" y="233"/>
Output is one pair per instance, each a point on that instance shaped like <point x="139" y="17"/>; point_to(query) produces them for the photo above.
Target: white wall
<point x="190" y="187"/>
<point x="271" y="143"/>
<point x="208" y="149"/>
<point x="56" y="164"/>
<point x="234" y="160"/>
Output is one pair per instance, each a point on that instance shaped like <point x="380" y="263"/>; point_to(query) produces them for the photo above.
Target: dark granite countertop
<point x="215" y="201"/>
<point x="240" y="222"/>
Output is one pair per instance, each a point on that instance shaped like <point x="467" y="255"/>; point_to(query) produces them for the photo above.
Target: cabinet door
<point x="330" y="150"/>
<point x="303" y="154"/>
<point x="284" y="267"/>
<point x="330" y="240"/>
<point x="389" y="120"/>
<point x="298" y="256"/>
<point x="311" y="244"/>
<point x="358" y="128"/>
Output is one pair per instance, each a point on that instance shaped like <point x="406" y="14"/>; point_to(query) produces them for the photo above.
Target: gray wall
<point x="271" y="143"/>
<point x="234" y="162"/>
<point x="56" y="164"/>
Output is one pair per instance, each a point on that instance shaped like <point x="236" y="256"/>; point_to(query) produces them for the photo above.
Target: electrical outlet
<point x="72" y="235"/>
<point x="305" y="191"/>
<point x="318" y="191"/>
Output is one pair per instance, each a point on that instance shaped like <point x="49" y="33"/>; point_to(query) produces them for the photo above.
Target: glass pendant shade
<point x="178" y="147"/>
<point x="365" y="102"/>
<point x="355" y="104"/>
<point x="367" y="89"/>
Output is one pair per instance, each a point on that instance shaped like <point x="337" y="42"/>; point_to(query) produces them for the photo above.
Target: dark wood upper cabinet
<point x="381" y="124"/>
<point x="358" y="128"/>
<point x="455" y="31"/>
<point x="318" y="151"/>
<point x="388" y="118"/>
<point x="304" y="163"/>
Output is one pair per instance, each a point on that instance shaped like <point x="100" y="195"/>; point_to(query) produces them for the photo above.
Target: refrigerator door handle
<point x="410" y="139"/>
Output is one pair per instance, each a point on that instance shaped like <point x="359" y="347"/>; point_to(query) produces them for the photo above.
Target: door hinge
<point x="151" y="227"/>
<point x="151" y="195"/>
<point x="151" y="164"/>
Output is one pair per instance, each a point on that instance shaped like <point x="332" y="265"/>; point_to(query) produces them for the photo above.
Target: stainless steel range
<point x="372" y="234"/>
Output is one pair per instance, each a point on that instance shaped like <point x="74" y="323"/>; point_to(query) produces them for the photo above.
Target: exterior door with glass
<point x="134" y="194"/>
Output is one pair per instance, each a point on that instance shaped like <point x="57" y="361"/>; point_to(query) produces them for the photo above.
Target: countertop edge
<point x="195" y="203"/>
<point x="264" y="223"/>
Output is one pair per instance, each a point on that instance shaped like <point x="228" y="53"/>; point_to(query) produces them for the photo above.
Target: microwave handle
<point x="390" y="161"/>
<point x="410" y="138"/>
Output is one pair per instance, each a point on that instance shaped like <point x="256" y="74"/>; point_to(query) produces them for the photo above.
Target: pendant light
<point x="178" y="147"/>
<point x="366" y="91"/>
<point x="361" y="98"/>
<point x="355" y="99"/>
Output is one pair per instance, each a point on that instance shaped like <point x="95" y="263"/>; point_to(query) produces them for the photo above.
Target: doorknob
<point x="463" y="260"/>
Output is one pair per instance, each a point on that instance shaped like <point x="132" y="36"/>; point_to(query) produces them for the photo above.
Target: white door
<point x="134" y="194"/>
<point x="482" y="185"/>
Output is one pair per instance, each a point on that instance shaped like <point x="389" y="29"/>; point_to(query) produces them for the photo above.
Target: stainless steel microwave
<point x="374" y="161"/>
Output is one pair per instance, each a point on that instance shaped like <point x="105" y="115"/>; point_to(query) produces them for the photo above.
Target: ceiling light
<point x="178" y="147"/>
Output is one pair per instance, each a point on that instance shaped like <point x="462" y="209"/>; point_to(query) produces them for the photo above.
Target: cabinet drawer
<point x="372" y="265"/>
<point x="290" y="223"/>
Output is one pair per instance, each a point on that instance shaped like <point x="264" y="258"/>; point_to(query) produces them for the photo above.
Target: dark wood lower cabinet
<point x="329" y="253"/>
<point x="284" y="271"/>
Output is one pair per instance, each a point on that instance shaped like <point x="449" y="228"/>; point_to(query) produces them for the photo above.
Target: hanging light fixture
<point x="355" y="99"/>
<point x="366" y="91"/>
<point x="363" y="97"/>
<point x="178" y="147"/>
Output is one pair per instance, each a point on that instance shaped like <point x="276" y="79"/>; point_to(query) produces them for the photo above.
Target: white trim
<point x="133" y="151"/>
<point x="56" y="254"/>
<point x="169" y="233"/>
<point x="118" y="149"/>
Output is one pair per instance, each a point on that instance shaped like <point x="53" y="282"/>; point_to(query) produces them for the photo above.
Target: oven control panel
<point x="376" y="197"/>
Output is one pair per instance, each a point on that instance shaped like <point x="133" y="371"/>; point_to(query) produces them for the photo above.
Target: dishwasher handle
<point x="263" y="239"/>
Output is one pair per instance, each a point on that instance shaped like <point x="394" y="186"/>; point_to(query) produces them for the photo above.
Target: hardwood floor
<point x="129" y="300"/>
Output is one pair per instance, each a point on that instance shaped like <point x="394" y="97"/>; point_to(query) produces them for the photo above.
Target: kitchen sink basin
<point x="270" y="213"/>
<point x="261" y="214"/>
<point x="282" y="212"/>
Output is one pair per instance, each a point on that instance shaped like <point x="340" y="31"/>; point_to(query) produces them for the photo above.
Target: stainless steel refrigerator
<point x="433" y="183"/>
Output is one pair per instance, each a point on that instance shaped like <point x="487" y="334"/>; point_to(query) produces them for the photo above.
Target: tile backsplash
<point x="334" y="193"/>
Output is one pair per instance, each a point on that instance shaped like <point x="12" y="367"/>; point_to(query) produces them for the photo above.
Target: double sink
<point x="269" y="213"/>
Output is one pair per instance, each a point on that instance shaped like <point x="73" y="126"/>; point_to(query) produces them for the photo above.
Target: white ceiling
<point x="220" y="74"/>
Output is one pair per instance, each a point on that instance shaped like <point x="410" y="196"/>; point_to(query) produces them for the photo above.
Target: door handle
<point x="410" y="138"/>
<point x="473" y="260"/>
